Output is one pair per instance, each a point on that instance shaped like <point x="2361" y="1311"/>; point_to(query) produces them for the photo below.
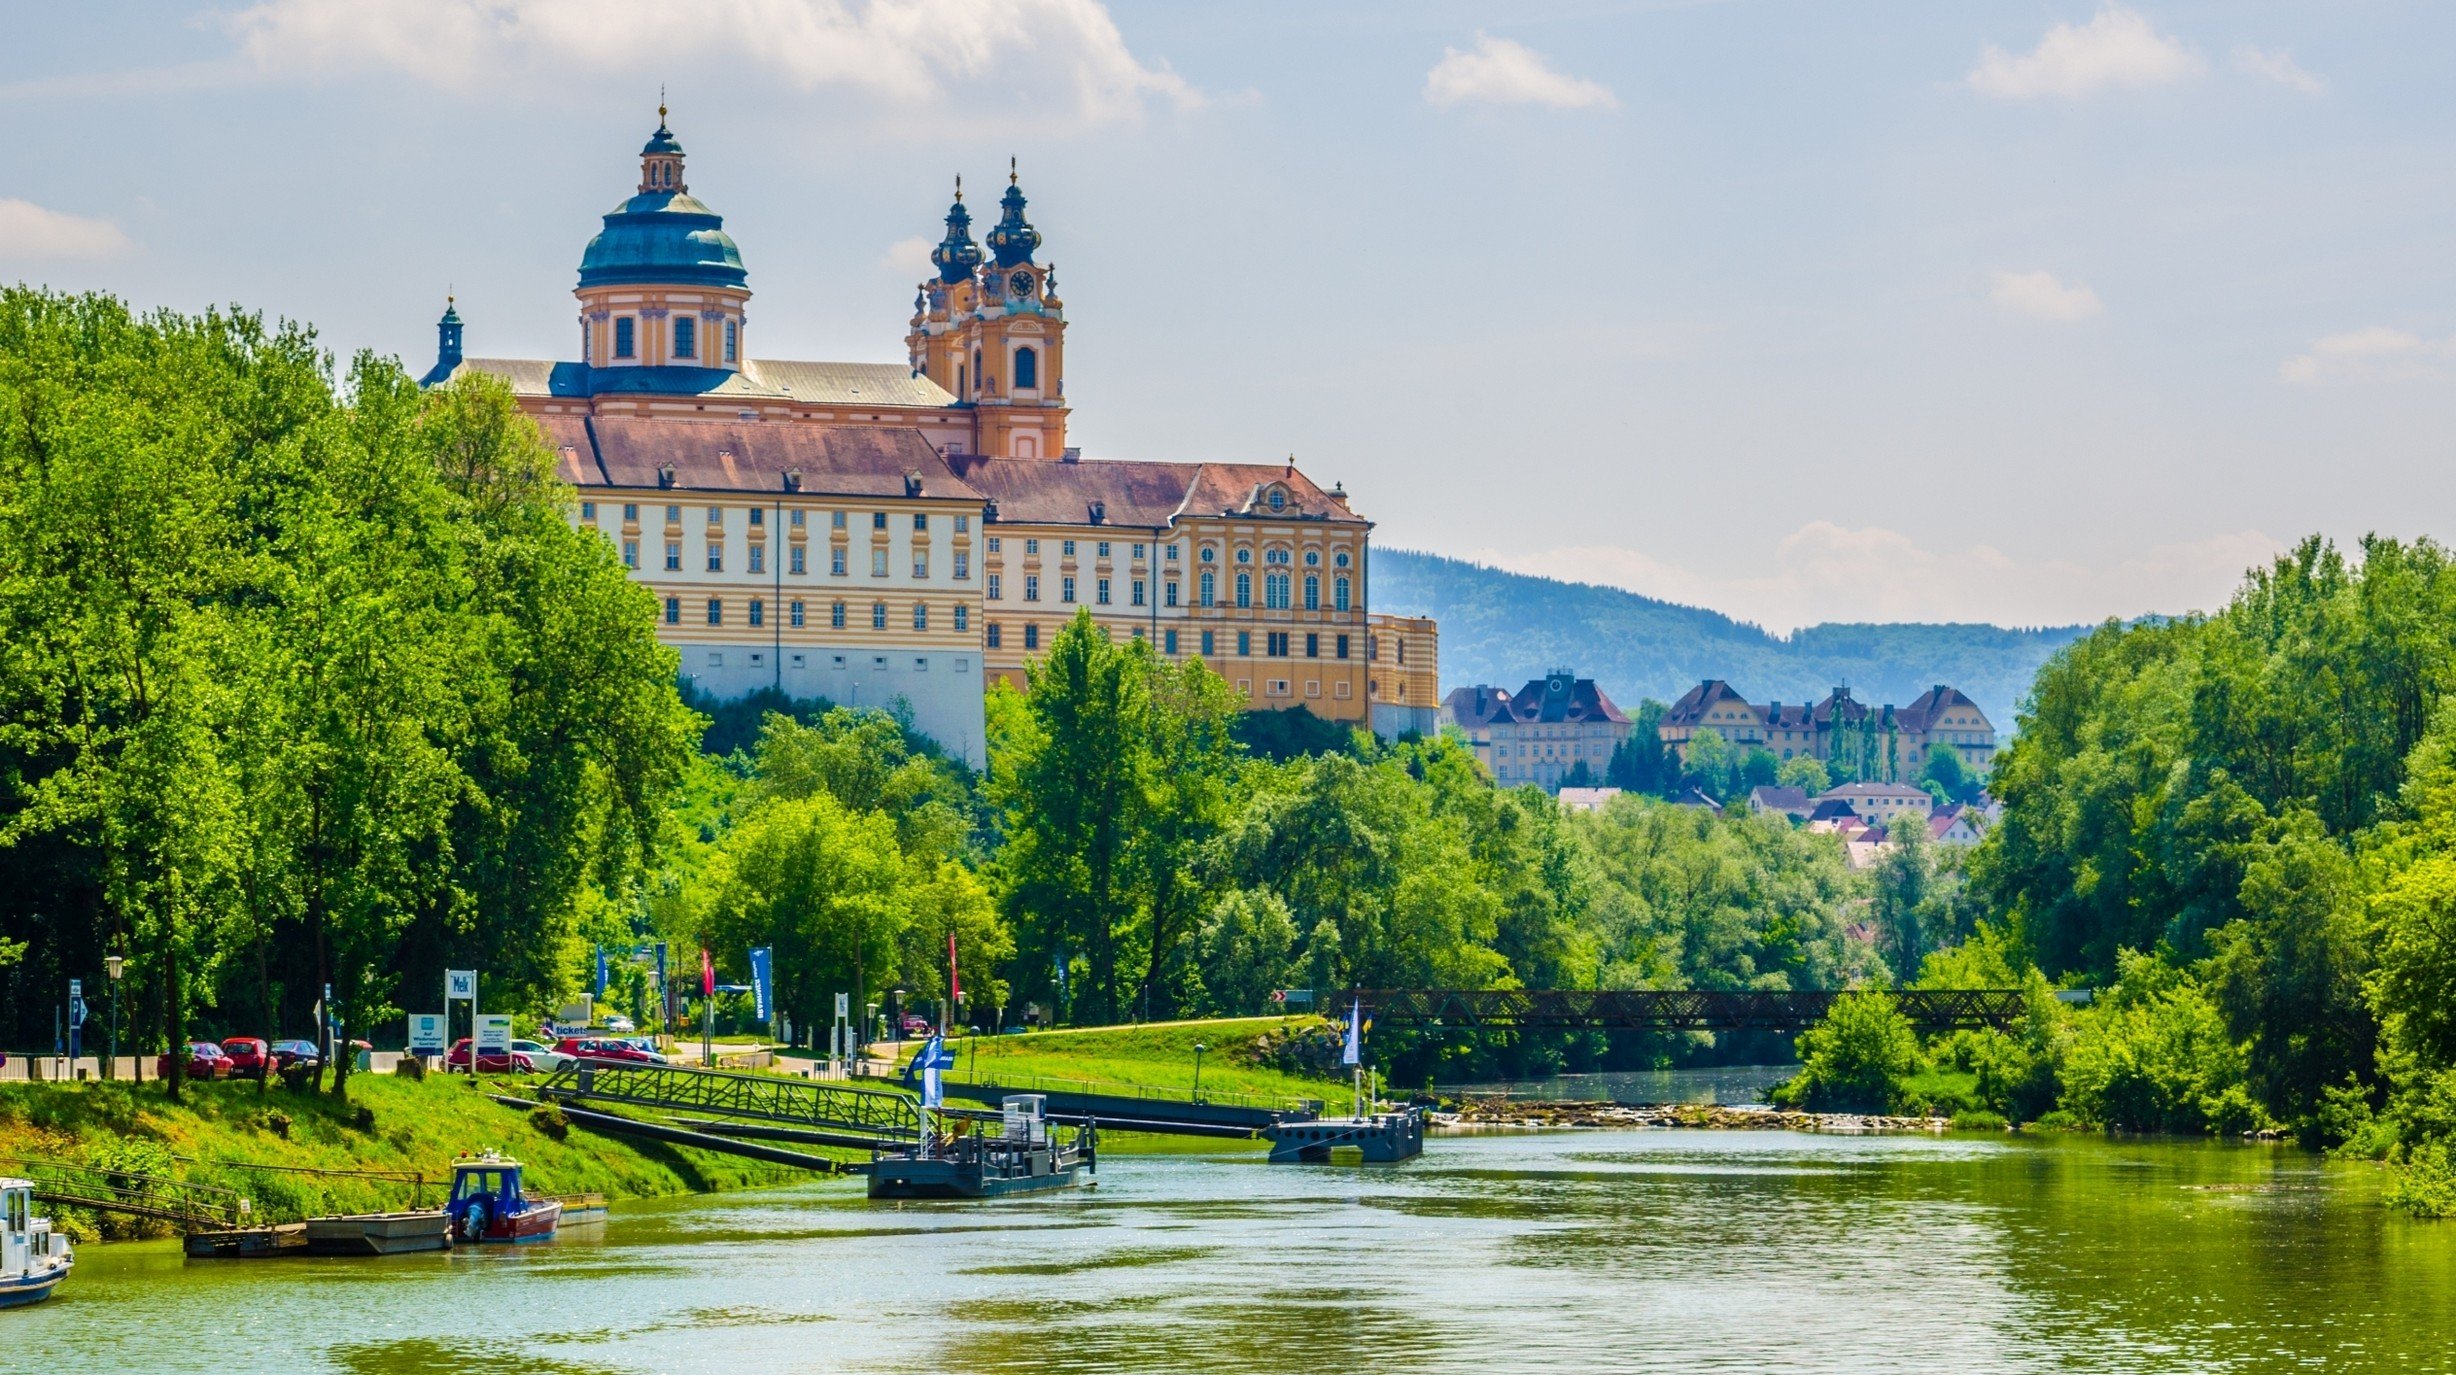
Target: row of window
<point x="1275" y="591"/>
<point x="796" y="517"/>
<point x="797" y="614"/>
<point x="686" y="338"/>
<point x="1313" y="557"/>
<point x="797" y="560"/>
<point x="1276" y="644"/>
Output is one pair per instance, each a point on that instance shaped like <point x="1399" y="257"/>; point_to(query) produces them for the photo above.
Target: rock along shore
<point x="1535" y="1113"/>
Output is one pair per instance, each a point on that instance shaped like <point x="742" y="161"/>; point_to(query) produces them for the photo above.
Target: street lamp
<point x="896" y="1011"/>
<point x="1199" y="1048"/>
<point x="114" y="966"/>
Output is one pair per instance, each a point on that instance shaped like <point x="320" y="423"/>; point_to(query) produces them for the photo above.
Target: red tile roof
<point x="750" y="456"/>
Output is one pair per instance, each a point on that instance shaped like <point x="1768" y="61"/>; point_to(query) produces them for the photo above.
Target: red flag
<point x="955" y="989"/>
<point x="707" y="974"/>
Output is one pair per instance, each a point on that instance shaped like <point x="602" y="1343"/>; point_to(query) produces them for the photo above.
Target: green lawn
<point x="415" y="1126"/>
<point x="1159" y="1055"/>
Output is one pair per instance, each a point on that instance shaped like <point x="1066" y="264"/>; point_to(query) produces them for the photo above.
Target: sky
<point x="2022" y="311"/>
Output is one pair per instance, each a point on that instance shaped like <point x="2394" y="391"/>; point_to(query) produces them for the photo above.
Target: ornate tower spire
<point x="957" y="255"/>
<point x="661" y="160"/>
<point x="447" y="346"/>
<point x="1014" y="238"/>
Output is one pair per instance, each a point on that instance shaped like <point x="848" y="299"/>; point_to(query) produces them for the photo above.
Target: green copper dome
<point x="662" y="236"/>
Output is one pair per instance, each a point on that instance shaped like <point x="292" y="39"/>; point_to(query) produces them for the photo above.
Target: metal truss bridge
<point x="840" y="1113"/>
<point x="1665" y="1009"/>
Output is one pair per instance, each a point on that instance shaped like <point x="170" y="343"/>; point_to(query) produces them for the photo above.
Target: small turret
<point x="447" y="346"/>
<point x="956" y="255"/>
<point x="661" y="159"/>
<point x="1014" y="238"/>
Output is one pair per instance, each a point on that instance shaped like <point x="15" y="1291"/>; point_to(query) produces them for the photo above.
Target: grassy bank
<point x="389" y="1124"/>
<point x="1275" y="1058"/>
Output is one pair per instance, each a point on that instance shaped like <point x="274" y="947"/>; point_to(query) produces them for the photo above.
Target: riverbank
<point x="1495" y="1112"/>
<point x="389" y="1124"/>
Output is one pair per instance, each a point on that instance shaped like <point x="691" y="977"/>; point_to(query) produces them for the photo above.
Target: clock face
<point x="1020" y="284"/>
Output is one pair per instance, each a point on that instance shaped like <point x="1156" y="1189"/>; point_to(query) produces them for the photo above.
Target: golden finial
<point x="660" y="104"/>
<point x="959" y="188"/>
<point x="1010" y="169"/>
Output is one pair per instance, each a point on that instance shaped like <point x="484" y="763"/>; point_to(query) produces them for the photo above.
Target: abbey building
<point x="869" y="532"/>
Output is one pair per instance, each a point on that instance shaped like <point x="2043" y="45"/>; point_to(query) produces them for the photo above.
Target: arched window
<point x="962" y="379"/>
<point x="1338" y="594"/>
<point x="1275" y="592"/>
<point x="1245" y="589"/>
<point x="976" y="369"/>
<point x="1313" y="592"/>
<point x="1027" y="368"/>
<point x="1210" y="586"/>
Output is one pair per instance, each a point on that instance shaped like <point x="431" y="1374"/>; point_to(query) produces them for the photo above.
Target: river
<point x="1626" y="1251"/>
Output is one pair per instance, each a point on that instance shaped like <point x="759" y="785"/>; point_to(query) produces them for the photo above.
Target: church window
<point x="1245" y="589"/>
<point x="686" y="337"/>
<point x="1338" y="594"/>
<point x="962" y="379"/>
<point x="622" y="336"/>
<point x="1210" y="588"/>
<point x="1313" y="592"/>
<point x="1275" y="591"/>
<point x="878" y="615"/>
<point x="976" y="368"/>
<point x="1027" y="368"/>
<point x="733" y="341"/>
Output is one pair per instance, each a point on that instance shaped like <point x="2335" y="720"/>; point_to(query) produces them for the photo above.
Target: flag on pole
<point x="763" y="977"/>
<point x="1355" y="1035"/>
<point x="929" y="1060"/>
<point x="707" y="973"/>
<point x="955" y="989"/>
<point x="602" y="972"/>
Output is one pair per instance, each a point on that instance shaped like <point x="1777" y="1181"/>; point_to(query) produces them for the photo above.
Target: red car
<point x="514" y="1063"/>
<point x="249" y="1056"/>
<point x="205" y="1061"/>
<point x="592" y="1048"/>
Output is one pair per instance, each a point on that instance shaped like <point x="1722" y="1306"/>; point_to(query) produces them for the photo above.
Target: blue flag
<point x="927" y="1062"/>
<point x="762" y="977"/>
<point x="1355" y="1034"/>
<point x="601" y="971"/>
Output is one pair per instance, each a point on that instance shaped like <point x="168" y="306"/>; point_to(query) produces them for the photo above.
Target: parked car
<point x="606" y="1048"/>
<point x="249" y="1056"/>
<point x="546" y="1058"/>
<point x="917" y="1026"/>
<point x="512" y="1063"/>
<point x="205" y="1060"/>
<point x="620" y="1024"/>
<point x="296" y="1055"/>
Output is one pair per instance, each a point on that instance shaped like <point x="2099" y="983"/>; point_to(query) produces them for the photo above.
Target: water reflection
<point x="1657" y="1251"/>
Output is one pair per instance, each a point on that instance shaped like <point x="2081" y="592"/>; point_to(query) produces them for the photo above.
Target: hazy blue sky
<point x="2022" y="311"/>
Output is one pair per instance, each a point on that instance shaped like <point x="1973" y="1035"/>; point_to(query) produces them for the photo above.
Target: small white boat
<point x="33" y="1258"/>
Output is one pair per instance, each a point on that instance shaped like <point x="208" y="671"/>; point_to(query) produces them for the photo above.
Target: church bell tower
<point x="991" y="330"/>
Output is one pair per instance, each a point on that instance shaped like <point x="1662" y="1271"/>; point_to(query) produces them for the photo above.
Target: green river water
<point x="1621" y="1251"/>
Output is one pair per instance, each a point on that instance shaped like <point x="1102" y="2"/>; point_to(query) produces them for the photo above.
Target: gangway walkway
<point x="873" y="1116"/>
<point x="192" y="1207"/>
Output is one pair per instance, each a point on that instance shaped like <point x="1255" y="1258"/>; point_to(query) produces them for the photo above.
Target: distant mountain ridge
<point x="1505" y="628"/>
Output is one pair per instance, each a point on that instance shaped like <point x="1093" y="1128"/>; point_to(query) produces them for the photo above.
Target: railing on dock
<point x="193" y="1207"/>
<point x="889" y="1117"/>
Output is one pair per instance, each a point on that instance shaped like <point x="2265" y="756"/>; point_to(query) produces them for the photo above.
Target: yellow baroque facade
<point x="902" y="534"/>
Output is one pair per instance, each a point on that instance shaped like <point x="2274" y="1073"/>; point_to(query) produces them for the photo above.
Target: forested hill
<point x="1505" y="628"/>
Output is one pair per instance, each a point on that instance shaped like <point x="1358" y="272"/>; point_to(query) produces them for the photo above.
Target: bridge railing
<point x="191" y="1205"/>
<point x="730" y="1093"/>
<point x="1049" y="1083"/>
<point x="1667" y="1009"/>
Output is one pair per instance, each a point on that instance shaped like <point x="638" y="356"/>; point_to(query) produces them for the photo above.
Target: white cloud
<point x="2378" y="353"/>
<point x="2044" y="296"/>
<point x="910" y="256"/>
<point x="31" y="233"/>
<point x="1826" y="572"/>
<point x="1065" y="56"/>
<point x="1500" y="72"/>
<point x="2279" y="67"/>
<point x="2118" y="48"/>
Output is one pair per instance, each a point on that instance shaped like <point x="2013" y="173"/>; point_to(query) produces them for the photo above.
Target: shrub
<point x="1980" y="1120"/>
<point x="2424" y="1183"/>
<point x="550" y="1122"/>
<point x="1855" y="1060"/>
<point x="2155" y="1056"/>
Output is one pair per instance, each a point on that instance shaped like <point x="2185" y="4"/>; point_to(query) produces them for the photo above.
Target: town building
<point x="1402" y="656"/>
<point x="1540" y="734"/>
<point x="912" y="531"/>
<point x="1869" y="741"/>
<point x="1878" y="804"/>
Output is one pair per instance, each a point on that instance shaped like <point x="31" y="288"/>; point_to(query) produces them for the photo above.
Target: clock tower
<point x="992" y="331"/>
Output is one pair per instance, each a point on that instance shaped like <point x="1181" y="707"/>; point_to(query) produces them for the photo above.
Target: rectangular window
<point x="588" y="511"/>
<point x="1066" y="589"/>
<point x="631" y="553"/>
<point x="801" y="559"/>
<point x="716" y="611"/>
<point x="1138" y="551"/>
<point x="758" y="612"/>
<point x="878" y="520"/>
<point x="835" y="562"/>
<point x="673" y="556"/>
<point x="920" y="616"/>
<point x="631" y="512"/>
<point x="1168" y="593"/>
<point x="716" y="558"/>
<point x="1104" y="549"/>
<point x="1138" y="592"/>
<point x="796" y="522"/>
<point x="878" y="563"/>
<point x="1102" y="591"/>
<point x="994" y="637"/>
<point x="673" y="515"/>
<point x="835" y="616"/>
<point x="878" y="615"/>
<point x="1172" y="553"/>
<point x="673" y="610"/>
<point x="996" y="544"/>
<point x="716" y="515"/>
<point x="835" y="520"/>
<point x="1245" y="644"/>
<point x="795" y="613"/>
<point x="1031" y="587"/>
<point x="963" y="616"/>
<point x="758" y="558"/>
<point x="1031" y="637"/>
<point x="1313" y="646"/>
<point x="733" y="340"/>
<point x="963" y="525"/>
<point x="1342" y="647"/>
<point x="1068" y="549"/>
<point x="920" y="565"/>
<point x="1279" y="644"/>
<point x="622" y="336"/>
<point x="963" y="564"/>
<point x="758" y="516"/>
<point x="1208" y="644"/>
<point x="1031" y="546"/>
<point x="1168" y="640"/>
<point x="921" y="521"/>
<point x="686" y="337"/>
<point x="996" y="592"/>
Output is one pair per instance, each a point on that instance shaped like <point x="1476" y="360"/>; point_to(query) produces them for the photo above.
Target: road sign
<point x="425" y="1033"/>
<point x="460" y="983"/>
<point x="494" y="1034"/>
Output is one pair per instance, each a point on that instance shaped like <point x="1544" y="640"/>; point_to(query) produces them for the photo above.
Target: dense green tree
<point x="1806" y="773"/>
<point x="1856" y="1059"/>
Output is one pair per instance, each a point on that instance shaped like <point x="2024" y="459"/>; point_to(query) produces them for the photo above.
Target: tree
<point x="1945" y="777"/>
<point x="824" y="887"/>
<point x="1806" y="773"/>
<point x="1641" y="763"/>
<point x="1856" y="1059"/>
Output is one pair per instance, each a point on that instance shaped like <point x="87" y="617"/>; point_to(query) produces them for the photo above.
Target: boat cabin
<point x="33" y="1257"/>
<point x="489" y="1203"/>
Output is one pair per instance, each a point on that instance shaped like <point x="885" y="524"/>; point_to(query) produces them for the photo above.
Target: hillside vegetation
<point x="1505" y="628"/>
